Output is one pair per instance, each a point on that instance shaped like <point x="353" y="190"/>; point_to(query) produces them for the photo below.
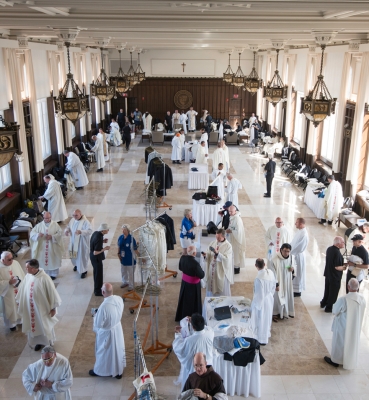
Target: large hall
<point x="281" y="82"/>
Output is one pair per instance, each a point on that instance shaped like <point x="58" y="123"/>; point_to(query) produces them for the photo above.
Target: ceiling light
<point x="275" y="90"/>
<point x="238" y="78"/>
<point x="120" y="81"/>
<point x="253" y="82"/>
<point x="102" y="88"/>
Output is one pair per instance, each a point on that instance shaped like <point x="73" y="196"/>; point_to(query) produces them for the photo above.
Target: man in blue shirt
<point x="126" y="245"/>
<point x="138" y="119"/>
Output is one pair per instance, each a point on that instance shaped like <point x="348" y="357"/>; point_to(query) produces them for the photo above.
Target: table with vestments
<point x="188" y="154"/>
<point x="240" y="381"/>
<point x="204" y="213"/>
<point x="315" y="203"/>
<point x="198" y="179"/>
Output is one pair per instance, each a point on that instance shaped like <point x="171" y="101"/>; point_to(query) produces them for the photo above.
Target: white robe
<point x="49" y="253"/>
<point x="115" y="136"/>
<point x="205" y="138"/>
<point x="262" y="305"/>
<point x="56" y="204"/>
<point x="182" y="139"/>
<point x="182" y="120"/>
<point x="252" y="129"/>
<point x="333" y="200"/>
<point x="226" y="152"/>
<point x="109" y="346"/>
<point x="277" y="236"/>
<point x="270" y="145"/>
<point x="191" y="114"/>
<point x="283" y="299"/>
<point x="99" y="153"/>
<point x="232" y="191"/>
<point x="219" y="156"/>
<point x="348" y="318"/>
<point x="36" y="297"/>
<point x="219" y="271"/>
<point x="221" y="132"/>
<point x="218" y="177"/>
<point x="175" y="119"/>
<point x="79" y="245"/>
<point x="201" y="157"/>
<point x="177" y="149"/>
<point x="8" y="306"/>
<point x="237" y="239"/>
<point x="59" y="373"/>
<point x="105" y="146"/>
<point x="185" y="350"/>
<point x="299" y="244"/>
<point x="147" y="121"/>
<point x="77" y="170"/>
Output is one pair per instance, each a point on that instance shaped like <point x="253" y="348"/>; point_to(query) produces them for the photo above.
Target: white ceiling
<point x="219" y="25"/>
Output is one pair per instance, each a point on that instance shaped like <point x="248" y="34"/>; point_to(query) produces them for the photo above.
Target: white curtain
<point x="357" y="128"/>
<point x="95" y="63"/>
<point x="37" y="146"/>
<point x="106" y="64"/>
<point x="12" y="72"/>
<point x="289" y="79"/>
<point x="271" y="67"/>
<point x="259" y="94"/>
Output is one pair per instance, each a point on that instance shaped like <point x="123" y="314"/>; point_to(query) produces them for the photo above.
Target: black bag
<point x="211" y="228"/>
<point x="221" y="313"/>
<point x="212" y="190"/>
<point x="199" y="196"/>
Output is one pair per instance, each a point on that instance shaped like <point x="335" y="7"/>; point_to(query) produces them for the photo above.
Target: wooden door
<point x="234" y="112"/>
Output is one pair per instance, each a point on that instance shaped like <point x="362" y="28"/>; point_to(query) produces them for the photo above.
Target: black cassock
<point x="189" y="301"/>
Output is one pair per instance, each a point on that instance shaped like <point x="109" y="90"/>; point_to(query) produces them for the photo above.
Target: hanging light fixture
<point x="228" y="74"/>
<point x="120" y="81"/>
<point x="253" y="82"/>
<point x="72" y="103"/>
<point x="131" y="76"/>
<point x="102" y="88"/>
<point x="318" y="104"/>
<point x="275" y="90"/>
<point x="140" y="74"/>
<point x="238" y="78"/>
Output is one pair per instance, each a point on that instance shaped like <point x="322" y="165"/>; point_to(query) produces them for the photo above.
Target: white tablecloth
<point x="204" y="213"/>
<point x="315" y="203"/>
<point x="240" y="381"/>
<point x="199" y="179"/>
<point x="188" y="153"/>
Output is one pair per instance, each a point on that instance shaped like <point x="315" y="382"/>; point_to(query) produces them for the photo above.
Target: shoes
<point x="13" y="329"/>
<point x="330" y="362"/>
<point x="79" y="188"/>
<point x="38" y="347"/>
<point x="123" y="285"/>
<point x="290" y="316"/>
<point x="53" y="277"/>
<point x="322" y="305"/>
<point x="322" y="221"/>
<point x="328" y="310"/>
<point x="99" y="170"/>
<point x="174" y="162"/>
<point x="297" y="294"/>
<point x="98" y="294"/>
<point x="83" y="276"/>
<point x="92" y="373"/>
<point x="178" y="162"/>
<point x="330" y="222"/>
<point x="75" y="268"/>
<point x="267" y="195"/>
<point x="119" y="376"/>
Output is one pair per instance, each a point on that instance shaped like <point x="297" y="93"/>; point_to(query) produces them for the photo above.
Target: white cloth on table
<point x="198" y="179"/>
<point x="299" y="244"/>
<point x="77" y="170"/>
<point x="56" y="204"/>
<point x="99" y="153"/>
<point x="204" y="213"/>
<point x="315" y="203"/>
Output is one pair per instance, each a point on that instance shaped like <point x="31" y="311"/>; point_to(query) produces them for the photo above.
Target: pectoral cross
<point x="183" y="65"/>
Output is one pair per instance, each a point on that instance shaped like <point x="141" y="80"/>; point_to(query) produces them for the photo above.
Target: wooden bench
<point x="348" y="219"/>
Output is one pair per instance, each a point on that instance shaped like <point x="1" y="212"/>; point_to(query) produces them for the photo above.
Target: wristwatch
<point x="207" y="396"/>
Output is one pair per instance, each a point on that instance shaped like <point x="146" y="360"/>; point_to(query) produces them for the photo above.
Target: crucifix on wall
<point x="183" y="66"/>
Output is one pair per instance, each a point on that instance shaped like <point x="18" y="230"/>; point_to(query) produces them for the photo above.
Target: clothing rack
<point x="163" y="204"/>
<point x="150" y="198"/>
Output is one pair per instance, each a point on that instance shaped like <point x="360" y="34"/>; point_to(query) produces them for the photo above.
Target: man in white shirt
<point x="275" y="236"/>
<point x="77" y="170"/>
<point x="54" y="196"/>
<point x="182" y="120"/>
<point x="232" y="189"/>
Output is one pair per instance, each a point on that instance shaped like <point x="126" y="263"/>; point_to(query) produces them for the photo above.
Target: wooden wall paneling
<point x="347" y="135"/>
<point x="52" y="128"/>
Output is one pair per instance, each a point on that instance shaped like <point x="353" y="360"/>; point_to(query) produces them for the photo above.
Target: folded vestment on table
<point x="245" y="356"/>
<point x="223" y="344"/>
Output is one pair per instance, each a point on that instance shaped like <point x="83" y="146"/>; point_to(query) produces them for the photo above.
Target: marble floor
<point x="113" y="197"/>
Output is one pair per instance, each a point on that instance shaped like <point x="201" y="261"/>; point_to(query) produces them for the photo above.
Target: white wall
<point x="301" y="60"/>
<point x="333" y="69"/>
<point x="41" y="72"/>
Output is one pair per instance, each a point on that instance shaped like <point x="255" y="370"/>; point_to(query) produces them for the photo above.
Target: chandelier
<point x="238" y="78"/>
<point x="102" y="88"/>
<point x="228" y="74"/>
<point x="131" y="77"/>
<point x="119" y="81"/>
<point x="253" y="82"/>
<point x="318" y="104"/>
<point x="275" y="90"/>
<point x="72" y="103"/>
<point x="139" y="71"/>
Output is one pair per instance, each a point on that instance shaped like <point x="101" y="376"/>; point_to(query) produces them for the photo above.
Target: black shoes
<point x="98" y="294"/>
<point x="328" y="310"/>
<point x="92" y="373"/>
<point x="75" y="268"/>
<point x="330" y="222"/>
<point x="53" y="277"/>
<point x="13" y="329"/>
<point x="38" y="347"/>
<point x="330" y="362"/>
<point x="99" y="170"/>
<point x="267" y="195"/>
<point x="297" y="294"/>
<point x="322" y="305"/>
<point x="83" y="276"/>
<point x="79" y="188"/>
<point x="119" y="376"/>
<point x="323" y="221"/>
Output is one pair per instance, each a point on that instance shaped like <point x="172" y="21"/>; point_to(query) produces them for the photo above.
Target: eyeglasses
<point x="9" y="259"/>
<point x="45" y="360"/>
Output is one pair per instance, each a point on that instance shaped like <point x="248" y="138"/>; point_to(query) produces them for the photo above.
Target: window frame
<point x="5" y="170"/>
<point x="298" y="115"/>
<point x="324" y="159"/>
<point x="44" y="124"/>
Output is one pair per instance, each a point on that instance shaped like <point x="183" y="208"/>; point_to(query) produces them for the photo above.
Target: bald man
<point x="79" y="231"/>
<point x="275" y="236"/>
<point x="232" y="189"/>
<point x="109" y="347"/>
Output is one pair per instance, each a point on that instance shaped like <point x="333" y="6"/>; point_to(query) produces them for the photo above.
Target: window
<point x="5" y="177"/>
<point x="43" y="120"/>
<point x="299" y="119"/>
<point x="23" y="76"/>
<point x="72" y="130"/>
<point x="327" y="147"/>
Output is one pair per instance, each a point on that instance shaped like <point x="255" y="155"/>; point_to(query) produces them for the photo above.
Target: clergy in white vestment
<point x="55" y="199"/>
<point x="191" y="115"/>
<point x="252" y="121"/>
<point x="77" y="170"/>
<point x="283" y="267"/>
<point x="79" y="231"/>
<point x="110" y="351"/>
<point x="221" y="130"/>
<point x="47" y="245"/>
<point x="262" y="302"/>
<point x="99" y="153"/>
<point x="232" y="189"/>
<point x="333" y="200"/>
<point x="182" y="139"/>
<point x="115" y="136"/>
<point x="270" y="142"/>
<point x="348" y="319"/>
<point x="219" y="156"/>
<point x="183" y="120"/>
<point x="218" y="177"/>
<point x="226" y="152"/>
<point x="204" y="138"/>
<point x="102" y="136"/>
<point x="275" y="236"/>
<point x="201" y="155"/>
<point x="186" y="346"/>
<point x="299" y="244"/>
<point x="176" y="156"/>
<point x="175" y="118"/>
<point x="38" y="299"/>
<point x="49" y="378"/>
<point x="218" y="266"/>
<point x="237" y="238"/>
<point x="147" y="121"/>
<point x="11" y="275"/>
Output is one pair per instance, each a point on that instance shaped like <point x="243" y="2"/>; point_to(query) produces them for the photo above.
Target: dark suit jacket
<point x="270" y="168"/>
